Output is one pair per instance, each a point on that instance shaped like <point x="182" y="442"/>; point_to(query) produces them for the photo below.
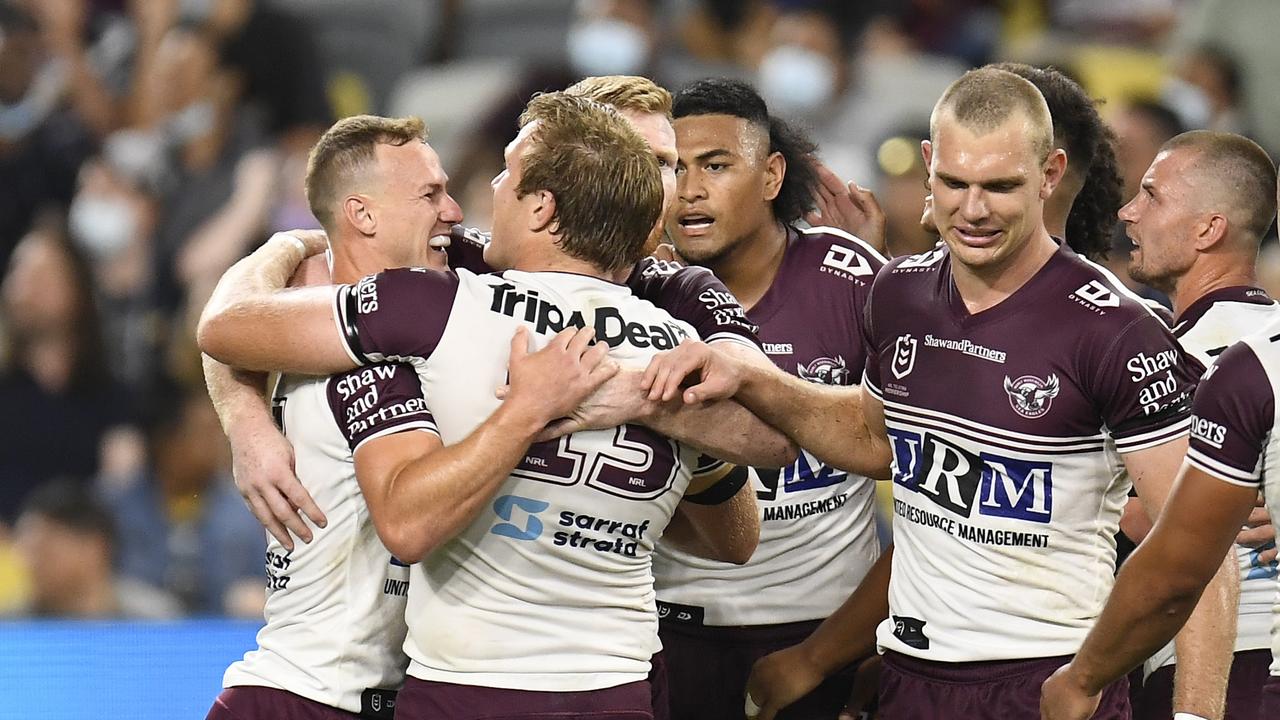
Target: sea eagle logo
<point x="1030" y="396"/>
<point x="825" y="371"/>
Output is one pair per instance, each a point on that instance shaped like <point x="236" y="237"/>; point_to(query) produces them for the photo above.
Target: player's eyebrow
<point x="713" y="154"/>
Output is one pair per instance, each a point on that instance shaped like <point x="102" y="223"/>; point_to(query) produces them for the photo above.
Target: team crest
<point x="826" y="371"/>
<point x="1030" y="396"/>
<point x="904" y="356"/>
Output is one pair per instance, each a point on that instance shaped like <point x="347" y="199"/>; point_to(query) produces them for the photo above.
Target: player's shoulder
<point x="1094" y="294"/>
<point x="834" y="253"/>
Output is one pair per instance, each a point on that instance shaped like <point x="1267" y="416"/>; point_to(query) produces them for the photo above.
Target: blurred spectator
<point x="901" y="189"/>
<point x="1143" y="22"/>
<point x="1209" y="79"/>
<point x="1244" y="29"/>
<point x="805" y="69"/>
<point x="42" y="143"/>
<point x="62" y="414"/>
<point x="1141" y="126"/>
<point x="66" y="539"/>
<point x="182" y="524"/>
<point x="612" y="37"/>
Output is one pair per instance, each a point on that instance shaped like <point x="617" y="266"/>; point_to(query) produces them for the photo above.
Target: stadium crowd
<point x="149" y="149"/>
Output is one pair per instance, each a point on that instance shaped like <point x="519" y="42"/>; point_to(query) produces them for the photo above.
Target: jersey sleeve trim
<point x="731" y="337"/>
<point x="344" y="318"/>
<point x="1222" y="471"/>
<point x="425" y="425"/>
<point x="875" y="391"/>
<point x="1159" y="436"/>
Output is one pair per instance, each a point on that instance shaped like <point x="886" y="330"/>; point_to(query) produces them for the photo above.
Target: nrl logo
<point x="826" y="371"/>
<point x="904" y="356"/>
<point x="1030" y="396"/>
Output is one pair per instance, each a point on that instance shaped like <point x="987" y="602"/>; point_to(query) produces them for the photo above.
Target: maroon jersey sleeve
<point x="871" y="379"/>
<point x="378" y="400"/>
<point x="466" y="249"/>
<point x="1232" y="416"/>
<point x="395" y="315"/>
<point x="696" y="296"/>
<point x="1142" y="385"/>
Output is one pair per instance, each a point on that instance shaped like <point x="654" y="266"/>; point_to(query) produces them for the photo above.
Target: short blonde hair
<point x="347" y="149"/>
<point x="982" y="99"/>
<point x="624" y="92"/>
<point x="603" y="175"/>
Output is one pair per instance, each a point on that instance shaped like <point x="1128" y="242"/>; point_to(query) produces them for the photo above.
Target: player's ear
<point x="542" y="209"/>
<point x="1210" y="231"/>
<point x="1055" y="166"/>
<point x="926" y="152"/>
<point x="775" y="170"/>
<point x="358" y="211"/>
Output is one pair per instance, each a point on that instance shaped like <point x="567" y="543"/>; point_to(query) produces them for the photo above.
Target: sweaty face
<point x="414" y="205"/>
<point x="1159" y="221"/>
<point x="988" y="190"/>
<point x="656" y="130"/>
<point x="724" y="186"/>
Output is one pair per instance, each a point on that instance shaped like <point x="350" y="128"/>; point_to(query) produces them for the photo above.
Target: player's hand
<point x="619" y="401"/>
<point x="667" y="252"/>
<point x="866" y="684"/>
<point x="849" y="207"/>
<point x="779" y="679"/>
<point x="926" y="216"/>
<point x="1062" y="698"/>
<point x="1259" y="533"/>
<point x="553" y="381"/>
<point x="316" y="241"/>
<point x="312" y="272"/>
<point x="262" y="464"/>
<point x="719" y="374"/>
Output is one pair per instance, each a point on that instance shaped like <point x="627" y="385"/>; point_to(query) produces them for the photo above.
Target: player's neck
<point x="553" y="260"/>
<point x="356" y="259"/>
<point x="1201" y="281"/>
<point x="982" y="288"/>
<point x="749" y="268"/>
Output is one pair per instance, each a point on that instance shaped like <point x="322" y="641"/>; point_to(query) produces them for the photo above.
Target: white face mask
<point x="607" y="47"/>
<point x="1188" y="101"/>
<point x="796" y="79"/>
<point x="102" y="225"/>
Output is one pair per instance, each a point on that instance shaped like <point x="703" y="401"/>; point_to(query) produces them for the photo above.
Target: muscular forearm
<point x="727" y="531"/>
<point x="433" y="498"/>
<point x="826" y="421"/>
<point x="724" y="430"/>
<point x="850" y="632"/>
<point x="238" y="397"/>
<point x="1206" y="646"/>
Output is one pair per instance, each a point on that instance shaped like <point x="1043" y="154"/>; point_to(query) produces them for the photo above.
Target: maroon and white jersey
<point x="1205" y="329"/>
<point x="817" y="529"/>
<point x="335" y="606"/>
<point x="690" y="293"/>
<point x="550" y="587"/>
<point x="1007" y="429"/>
<point x="1233" y="435"/>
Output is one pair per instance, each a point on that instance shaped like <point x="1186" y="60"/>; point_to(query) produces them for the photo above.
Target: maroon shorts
<point x="1249" y="672"/>
<point x="249" y="702"/>
<point x="707" y="670"/>
<point x="429" y="700"/>
<point x="1270" y="706"/>
<point x="914" y="689"/>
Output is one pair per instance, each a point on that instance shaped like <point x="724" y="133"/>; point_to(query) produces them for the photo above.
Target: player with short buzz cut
<point x="1196" y="223"/>
<point x="744" y="179"/>
<point x="531" y="591"/>
<point x="1009" y="381"/>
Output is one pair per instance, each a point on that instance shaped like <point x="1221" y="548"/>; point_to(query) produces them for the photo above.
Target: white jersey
<point x="1008" y="429"/>
<point x="1205" y="329"/>
<point x="335" y="609"/>
<point x="1233" y="429"/>
<point x="817" y="526"/>
<point x="550" y="587"/>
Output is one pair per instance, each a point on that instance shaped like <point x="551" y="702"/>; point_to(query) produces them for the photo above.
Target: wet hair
<point x="603" y="175"/>
<point x="1239" y="172"/>
<point x="1091" y="157"/>
<point x="722" y="96"/>
<point x="983" y="99"/>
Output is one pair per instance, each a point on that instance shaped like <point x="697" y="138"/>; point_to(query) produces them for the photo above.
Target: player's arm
<point x="1206" y="643"/>
<point x="825" y="420"/>
<point x="252" y="322"/>
<point x="780" y="678"/>
<point x="261" y="457"/>
<point x="421" y="493"/>
<point x="718" y="518"/>
<point x="1158" y="587"/>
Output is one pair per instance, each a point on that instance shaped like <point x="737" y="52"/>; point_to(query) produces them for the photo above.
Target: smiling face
<point x="988" y="189"/>
<point x="413" y="204"/>
<point x="726" y="181"/>
<point x="1160" y="220"/>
